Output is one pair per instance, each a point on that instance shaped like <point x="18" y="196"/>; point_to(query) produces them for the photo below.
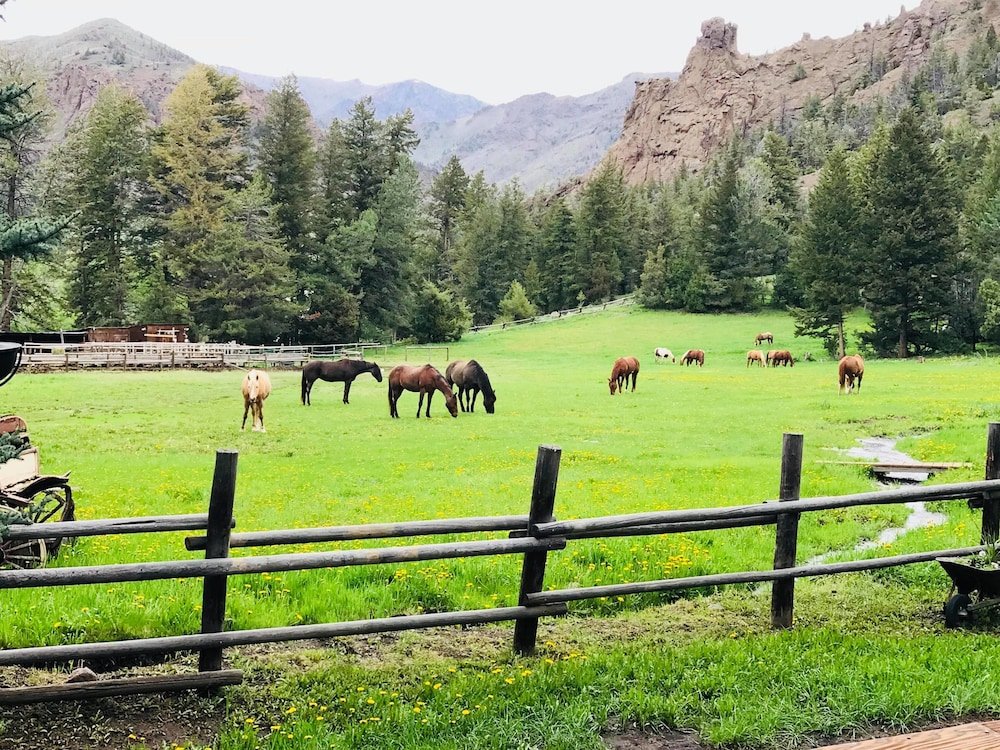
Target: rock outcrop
<point x="721" y="92"/>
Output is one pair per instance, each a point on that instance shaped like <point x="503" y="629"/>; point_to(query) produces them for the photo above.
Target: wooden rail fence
<point x="161" y="355"/>
<point x="534" y="536"/>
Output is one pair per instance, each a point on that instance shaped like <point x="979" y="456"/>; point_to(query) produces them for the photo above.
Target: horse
<point x="423" y="379"/>
<point x="850" y="368"/>
<point x="342" y="370"/>
<point x="661" y="353"/>
<point x="755" y="355"/>
<point x="693" y="356"/>
<point x="470" y="377"/>
<point x="256" y="388"/>
<point x="624" y="366"/>
<point x="782" y="357"/>
<point x="763" y="336"/>
<point x="769" y="357"/>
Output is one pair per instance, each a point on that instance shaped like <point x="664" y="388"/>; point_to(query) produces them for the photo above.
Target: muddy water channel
<point x="884" y="450"/>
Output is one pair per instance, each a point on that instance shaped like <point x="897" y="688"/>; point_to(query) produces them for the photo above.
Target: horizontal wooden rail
<point x="675" y="528"/>
<point x="367" y="531"/>
<point x="959" y="491"/>
<point x="169" y="644"/>
<point x="107" y="526"/>
<point x="121" y="686"/>
<point x="754" y="576"/>
<point x="152" y="571"/>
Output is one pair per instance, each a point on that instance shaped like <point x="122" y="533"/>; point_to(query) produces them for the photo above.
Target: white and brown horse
<point x="256" y="388"/>
<point x="661" y="353"/>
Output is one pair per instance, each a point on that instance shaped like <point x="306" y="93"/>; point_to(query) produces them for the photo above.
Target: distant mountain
<point x="539" y="139"/>
<point x="329" y="99"/>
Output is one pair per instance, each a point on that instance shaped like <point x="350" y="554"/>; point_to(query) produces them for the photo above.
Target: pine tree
<point x="601" y="231"/>
<point x="108" y="165"/>
<point x="336" y="207"/>
<point x="367" y="162"/>
<point x="653" y="284"/>
<point x="448" y="193"/>
<point x="827" y="257"/>
<point x="438" y="315"/>
<point x="913" y="251"/>
<point x="286" y="155"/>
<point x="515" y="304"/>
<point x="555" y="252"/>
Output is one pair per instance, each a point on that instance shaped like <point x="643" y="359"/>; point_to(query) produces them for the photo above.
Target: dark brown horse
<point x="851" y="368"/>
<point x="782" y="357"/>
<point x="693" y="356"/>
<point x="623" y="368"/>
<point x="470" y="377"/>
<point x="344" y="370"/>
<point x="763" y="336"/>
<point x="423" y="379"/>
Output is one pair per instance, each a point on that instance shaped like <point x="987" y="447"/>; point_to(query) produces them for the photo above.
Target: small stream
<point x="884" y="449"/>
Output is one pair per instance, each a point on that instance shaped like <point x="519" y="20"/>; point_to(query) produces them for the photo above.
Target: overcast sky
<point x="496" y="51"/>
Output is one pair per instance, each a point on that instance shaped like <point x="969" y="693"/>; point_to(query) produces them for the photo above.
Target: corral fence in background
<point x="628" y="299"/>
<point x="534" y="536"/>
<point x="160" y="355"/>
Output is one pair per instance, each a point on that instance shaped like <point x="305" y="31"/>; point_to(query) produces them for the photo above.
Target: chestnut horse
<point x="849" y="369"/>
<point x="782" y="357"/>
<point x="624" y="366"/>
<point x="661" y="353"/>
<point x="696" y="356"/>
<point x="755" y="355"/>
<point x="256" y="388"/>
<point x="471" y="378"/>
<point x="423" y="379"/>
<point x="764" y="336"/>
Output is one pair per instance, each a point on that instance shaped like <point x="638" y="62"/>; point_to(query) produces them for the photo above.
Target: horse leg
<point x="635" y="377"/>
<point x="430" y="395"/>
<point x="260" y="415"/>
<point x="420" y="404"/>
<point x="246" y="408"/>
<point x="475" y="393"/>
<point x="860" y="375"/>
<point x="347" y="389"/>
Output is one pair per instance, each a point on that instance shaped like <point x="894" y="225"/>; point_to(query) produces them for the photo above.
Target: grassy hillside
<point x="142" y="443"/>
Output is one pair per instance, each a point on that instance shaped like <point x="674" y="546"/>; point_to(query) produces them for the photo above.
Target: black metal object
<point x="973" y="589"/>
<point x="10" y="360"/>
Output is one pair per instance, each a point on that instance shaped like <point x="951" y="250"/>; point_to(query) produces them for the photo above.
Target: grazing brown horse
<point x="764" y="336"/>
<point x="423" y="379"/>
<point x="256" y="388"/>
<point x="782" y="357"/>
<point x="344" y="370"/>
<point x="624" y="366"/>
<point x="696" y="356"/>
<point x="470" y="377"/>
<point x="851" y="368"/>
<point x="755" y="355"/>
<point x="769" y="356"/>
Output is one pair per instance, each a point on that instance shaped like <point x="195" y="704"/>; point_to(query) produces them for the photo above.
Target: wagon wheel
<point x="23" y="553"/>
<point x="46" y="499"/>
<point x="956" y="609"/>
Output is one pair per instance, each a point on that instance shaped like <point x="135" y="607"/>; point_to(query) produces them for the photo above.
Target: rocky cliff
<point x="721" y="92"/>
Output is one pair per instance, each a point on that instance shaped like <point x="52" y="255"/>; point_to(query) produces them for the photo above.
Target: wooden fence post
<point x="220" y="521"/>
<point x="543" y="498"/>
<point x="787" y="531"/>
<point x="991" y="505"/>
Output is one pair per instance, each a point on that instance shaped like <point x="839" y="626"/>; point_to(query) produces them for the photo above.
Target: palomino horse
<point x="623" y="368"/>
<point x="661" y="353"/>
<point x="470" y="377"/>
<point x="693" y="356"/>
<point x="764" y="336"/>
<point x="755" y="355"/>
<point x="782" y="357"/>
<point x="850" y="368"/>
<point x="342" y="370"/>
<point x="422" y="379"/>
<point x="256" y="388"/>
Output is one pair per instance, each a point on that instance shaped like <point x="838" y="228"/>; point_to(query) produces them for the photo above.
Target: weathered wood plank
<point x="123" y="686"/>
<point x="965" y="737"/>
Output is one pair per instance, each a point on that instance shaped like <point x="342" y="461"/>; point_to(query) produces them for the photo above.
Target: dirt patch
<point x="665" y="740"/>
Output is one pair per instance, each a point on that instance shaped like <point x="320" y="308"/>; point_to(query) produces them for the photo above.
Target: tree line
<point x="272" y="231"/>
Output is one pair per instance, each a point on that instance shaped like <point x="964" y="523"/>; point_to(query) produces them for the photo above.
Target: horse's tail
<point x="304" y="387"/>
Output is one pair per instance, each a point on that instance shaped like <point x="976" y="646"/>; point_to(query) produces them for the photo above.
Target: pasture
<point x="143" y="443"/>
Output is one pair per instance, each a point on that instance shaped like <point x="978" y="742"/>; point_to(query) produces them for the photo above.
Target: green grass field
<point x="143" y="443"/>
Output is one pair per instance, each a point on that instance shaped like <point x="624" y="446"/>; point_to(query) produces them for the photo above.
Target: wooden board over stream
<point x="917" y="467"/>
